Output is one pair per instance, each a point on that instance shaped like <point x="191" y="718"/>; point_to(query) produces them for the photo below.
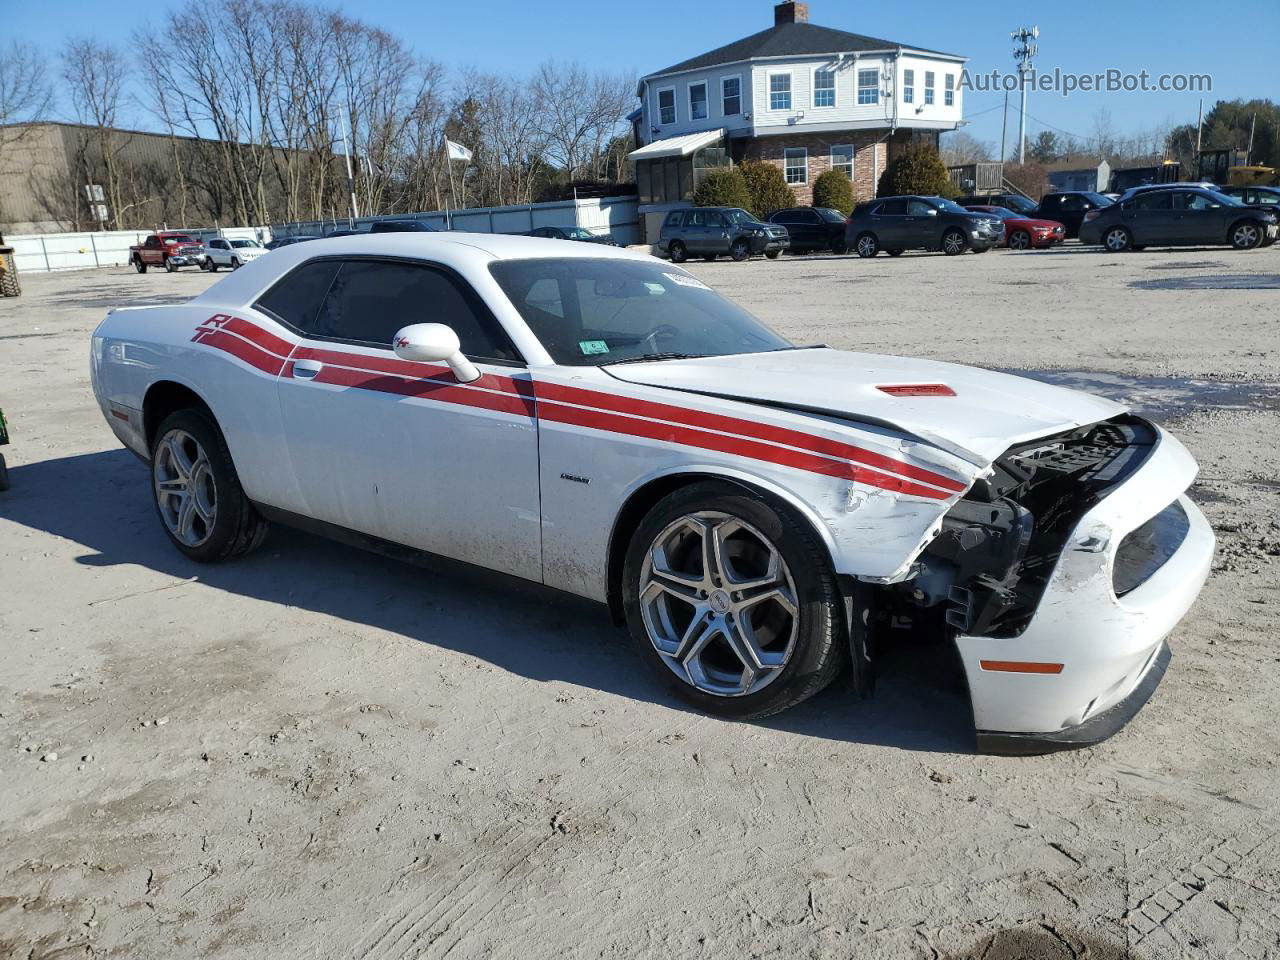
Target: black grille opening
<point x="1147" y="549"/>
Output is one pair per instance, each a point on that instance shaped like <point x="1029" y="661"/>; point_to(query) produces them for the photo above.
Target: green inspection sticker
<point x="592" y="347"/>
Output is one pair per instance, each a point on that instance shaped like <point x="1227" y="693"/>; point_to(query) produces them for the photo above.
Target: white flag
<point x="457" y="151"/>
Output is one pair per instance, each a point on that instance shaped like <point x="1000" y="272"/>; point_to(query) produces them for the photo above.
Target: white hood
<point x="989" y="413"/>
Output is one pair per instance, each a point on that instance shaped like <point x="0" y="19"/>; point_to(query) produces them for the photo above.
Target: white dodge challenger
<point x="760" y="515"/>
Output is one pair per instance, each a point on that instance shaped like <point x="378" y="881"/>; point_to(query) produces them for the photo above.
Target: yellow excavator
<point x="1253" y="176"/>
<point x="8" y="272"/>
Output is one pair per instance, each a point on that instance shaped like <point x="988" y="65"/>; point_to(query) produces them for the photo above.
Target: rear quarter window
<point x="296" y="297"/>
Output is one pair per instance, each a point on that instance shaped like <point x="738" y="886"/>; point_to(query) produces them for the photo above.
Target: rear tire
<point x="794" y="629"/>
<point x="4" y="474"/>
<point x="710" y="257"/>
<point x="867" y="245"/>
<point x="839" y="247"/>
<point x="197" y="493"/>
<point x="896" y="252"/>
<point x="677" y="252"/>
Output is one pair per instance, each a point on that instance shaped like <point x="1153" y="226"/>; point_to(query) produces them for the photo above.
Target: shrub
<point x="722" y="188"/>
<point x="833" y="189"/>
<point x="919" y="170"/>
<point x="767" y="187"/>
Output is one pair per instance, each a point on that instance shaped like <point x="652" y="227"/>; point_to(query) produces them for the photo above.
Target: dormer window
<point x="697" y="101"/>
<point x="779" y="91"/>
<point x="868" y="87"/>
<point x="824" y="88"/>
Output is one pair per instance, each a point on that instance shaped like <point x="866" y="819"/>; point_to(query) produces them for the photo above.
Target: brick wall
<point x="868" y="159"/>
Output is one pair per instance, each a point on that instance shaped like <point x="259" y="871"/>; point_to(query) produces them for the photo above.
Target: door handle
<point x="306" y="369"/>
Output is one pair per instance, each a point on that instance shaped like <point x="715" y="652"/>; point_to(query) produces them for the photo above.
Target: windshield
<point x="242" y="244"/>
<point x="736" y="216"/>
<point x="1021" y="204"/>
<point x="589" y="312"/>
<point x="1098" y="198"/>
<point x="831" y="216"/>
<point x="1225" y="200"/>
<point x="577" y="233"/>
<point x="1001" y="213"/>
<point x="942" y="203"/>
<point x="178" y="239"/>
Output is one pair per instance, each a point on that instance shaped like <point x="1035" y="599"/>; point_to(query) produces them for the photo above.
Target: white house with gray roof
<point x="805" y="97"/>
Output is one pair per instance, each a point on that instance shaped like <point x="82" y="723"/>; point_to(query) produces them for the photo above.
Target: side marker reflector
<point x="1019" y="666"/>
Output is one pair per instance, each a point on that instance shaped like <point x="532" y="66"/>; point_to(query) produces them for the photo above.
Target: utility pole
<point x="1199" y="127"/>
<point x="1253" y="124"/>
<point x="351" y="182"/>
<point x="1025" y="48"/>
<point x="1004" y="129"/>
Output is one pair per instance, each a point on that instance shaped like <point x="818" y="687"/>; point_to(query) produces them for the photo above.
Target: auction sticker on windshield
<point x="592" y="347"/>
<point x="686" y="281"/>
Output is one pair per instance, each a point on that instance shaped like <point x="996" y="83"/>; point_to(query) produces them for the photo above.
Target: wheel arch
<point x="165" y="397"/>
<point x="1241" y="221"/>
<point x="646" y="494"/>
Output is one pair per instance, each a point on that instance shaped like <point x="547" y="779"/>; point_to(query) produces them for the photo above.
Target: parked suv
<point x="1069" y="208"/>
<point x="894" y="224"/>
<point x="708" y="232"/>
<point x="813" y="228"/>
<point x="1178" y="216"/>
<point x="220" y="252"/>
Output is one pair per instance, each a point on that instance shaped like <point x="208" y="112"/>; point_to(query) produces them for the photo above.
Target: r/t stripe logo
<point x="216" y="322"/>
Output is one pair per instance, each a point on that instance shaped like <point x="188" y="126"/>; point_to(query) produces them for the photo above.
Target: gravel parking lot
<point x="317" y="752"/>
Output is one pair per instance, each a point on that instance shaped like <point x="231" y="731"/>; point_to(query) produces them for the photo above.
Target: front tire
<point x="197" y="492"/>
<point x="867" y="245"/>
<point x="1117" y="240"/>
<point x="740" y="250"/>
<point x="678" y="252"/>
<point x="731" y="598"/>
<point x="1019" y="240"/>
<point x="954" y="243"/>
<point x="169" y="266"/>
<point x="139" y="265"/>
<point x="1246" y="235"/>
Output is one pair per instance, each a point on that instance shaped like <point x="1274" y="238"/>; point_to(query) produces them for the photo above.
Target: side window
<point x="786" y="216"/>
<point x="1071" y="203"/>
<point x="295" y="299"/>
<point x="370" y="300"/>
<point x="807" y="216"/>
<point x="696" y="219"/>
<point x="918" y="208"/>
<point x="674" y="218"/>
<point x="1050" y="203"/>
<point x="152" y="241"/>
<point x="1192" y="201"/>
<point x="1156" y="200"/>
<point x="893" y="208"/>
<point x="715" y="219"/>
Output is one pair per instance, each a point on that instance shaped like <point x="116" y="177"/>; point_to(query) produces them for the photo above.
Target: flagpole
<point x="351" y="183"/>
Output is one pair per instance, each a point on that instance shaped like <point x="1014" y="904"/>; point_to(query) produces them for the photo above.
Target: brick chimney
<point x="790" y="12"/>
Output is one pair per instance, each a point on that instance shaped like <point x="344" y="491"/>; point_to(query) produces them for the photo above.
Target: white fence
<point x="40" y="252"/>
<point x="615" y="216"/>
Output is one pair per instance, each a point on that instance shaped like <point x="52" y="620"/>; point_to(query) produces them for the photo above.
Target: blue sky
<point x="1084" y="37"/>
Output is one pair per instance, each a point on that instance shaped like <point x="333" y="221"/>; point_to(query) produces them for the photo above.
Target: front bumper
<point x="769" y="244"/>
<point x="1087" y="651"/>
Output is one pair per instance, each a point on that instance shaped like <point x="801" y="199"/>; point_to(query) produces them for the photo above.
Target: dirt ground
<point x="316" y="752"/>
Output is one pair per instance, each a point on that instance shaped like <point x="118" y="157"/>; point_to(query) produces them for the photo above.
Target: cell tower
<point x="1024" y="49"/>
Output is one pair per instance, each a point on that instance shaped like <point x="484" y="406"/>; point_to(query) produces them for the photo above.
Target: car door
<point x="888" y="224"/>
<point x="400" y="450"/>
<point x="153" y="251"/>
<point x="808" y="227"/>
<point x="921" y="227"/>
<point x="697" y="234"/>
<point x="1153" y="218"/>
<point x="1197" y="218"/>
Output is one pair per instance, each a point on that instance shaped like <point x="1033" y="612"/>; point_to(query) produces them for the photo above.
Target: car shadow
<point x="101" y="501"/>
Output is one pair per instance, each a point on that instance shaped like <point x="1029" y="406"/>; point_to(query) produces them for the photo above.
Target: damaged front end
<point x="999" y="544"/>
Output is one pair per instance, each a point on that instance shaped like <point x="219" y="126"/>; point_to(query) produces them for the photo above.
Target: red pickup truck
<point x="168" y="250"/>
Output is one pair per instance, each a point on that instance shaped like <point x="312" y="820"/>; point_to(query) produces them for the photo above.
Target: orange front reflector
<point x="1020" y="666"/>
<point x="918" y="390"/>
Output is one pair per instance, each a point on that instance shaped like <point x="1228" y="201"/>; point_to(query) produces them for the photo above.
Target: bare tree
<point x="961" y="148"/>
<point x="25" y="93"/>
<point x="95" y="74"/>
<point x="580" y="114"/>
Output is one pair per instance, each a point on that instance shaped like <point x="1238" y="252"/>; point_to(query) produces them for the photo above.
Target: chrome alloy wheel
<point x="953" y="242"/>
<point x="185" y="491"/>
<point x="1117" y="240"/>
<point x="867" y="246"/>
<point x="719" y="604"/>
<point x="1245" y="237"/>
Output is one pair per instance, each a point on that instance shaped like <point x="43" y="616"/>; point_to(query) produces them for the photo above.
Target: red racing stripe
<point x="250" y="331"/>
<point x="736" y="446"/>
<point x="426" y="389"/>
<point x="253" y="355"/>
<point x="408" y="368"/>
<point x="760" y="431"/>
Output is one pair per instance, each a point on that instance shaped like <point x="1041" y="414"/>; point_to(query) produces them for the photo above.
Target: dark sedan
<point x="1267" y="198"/>
<point x="894" y="224"/>
<point x="813" y="228"/>
<point x="279" y="242"/>
<point x="1178" y="216"/>
<point x="581" y="234"/>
